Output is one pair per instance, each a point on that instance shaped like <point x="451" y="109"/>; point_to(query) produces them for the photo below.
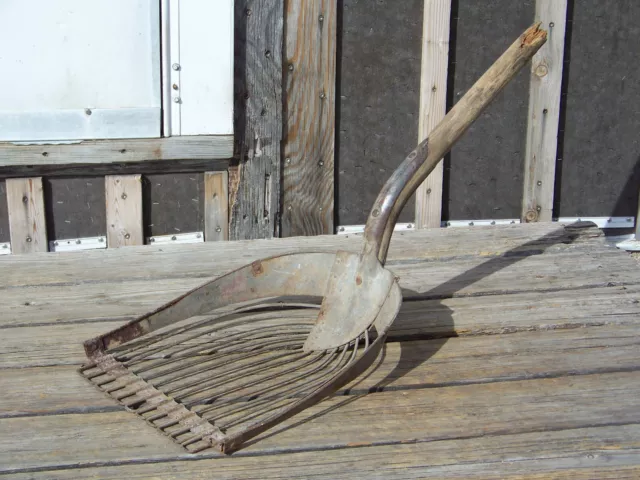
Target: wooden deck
<point x="516" y="355"/>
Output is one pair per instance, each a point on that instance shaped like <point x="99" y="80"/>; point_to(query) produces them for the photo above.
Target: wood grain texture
<point x="468" y="411"/>
<point x="606" y="453"/>
<point x="123" y="195"/>
<point x="544" y="114"/>
<point x="118" y="151"/>
<point x="309" y="103"/>
<point x="27" y="224"/>
<point x="525" y="355"/>
<point x="216" y="206"/>
<point x="433" y="102"/>
<point x="255" y="200"/>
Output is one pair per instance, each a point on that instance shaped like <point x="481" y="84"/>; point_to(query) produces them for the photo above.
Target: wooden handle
<point x="420" y="162"/>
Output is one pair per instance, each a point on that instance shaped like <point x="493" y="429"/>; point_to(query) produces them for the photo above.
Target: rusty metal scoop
<point x="239" y="354"/>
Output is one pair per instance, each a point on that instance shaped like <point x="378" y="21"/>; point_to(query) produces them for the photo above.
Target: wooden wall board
<point x="216" y="206"/>
<point x="378" y="82"/>
<point x="309" y="105"/>
<point x="27" y="224"/>
<point x="484" y="176"/>
<point x="123" y="198"/>
<point x="4" y="213"/>
<point x="255" y="191"/>
<point x="600" y="168"/>
<point x="75" y="207"/>
<point x="173" y="203"/>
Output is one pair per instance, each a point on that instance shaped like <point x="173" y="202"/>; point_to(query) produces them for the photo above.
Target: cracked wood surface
<point x="515" y="355"/>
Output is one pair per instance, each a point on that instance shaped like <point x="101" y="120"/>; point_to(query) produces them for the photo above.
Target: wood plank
<point x="403" y="365"/>
<point x="255" y="192"/>
<point x="123" y="195"/>
<point x="433" y="102"/>
<point x="186" y="260"/>
<point x="216" y="206"/>
<point x="310" y="52"/>
<point x="544" y="114"/>
<point x="204" y="147"/>
<point x="587" y="453"/>
<point x="61" y="344"/>
<point x="468" y="411"/>
<point x="27" y="225"/>
<point x="559" y="276"/>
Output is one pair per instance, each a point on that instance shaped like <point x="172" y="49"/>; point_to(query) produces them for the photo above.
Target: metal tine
<point x="259" y="348"/>
<point x="177" y="330"/>
<point x="266" y="364"/>
<point x="310" y="385"/>
<point x="199" y="361"/>
<point x="223" y="379"/>
<point x="136" y="357"/>
<point x="331" y="356"/>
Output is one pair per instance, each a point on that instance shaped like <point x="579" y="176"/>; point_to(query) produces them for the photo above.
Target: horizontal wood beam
<point x="117" y="151"/>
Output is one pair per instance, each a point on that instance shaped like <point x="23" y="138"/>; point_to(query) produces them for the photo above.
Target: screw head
<point x="218" y="229"/>
<point x="25" y="199"/>
<point x="539" y="183"/>
<point x="101" y="240"/>
<point x="287" y="160"/>
<point x="410" y="225"/>
<point x="545" y="111"/>
<point x="375" y="212"/>
<point x="538" y="208"/>
<point x="123" y="196"/>
<point x="198" y="235"/>
<point x="321" y="163"/>
<point x="29" y="240"/>
<point x="88" y="111"/>
<point x="428" y="191"/>
<point x="551" y="24"/>
<point x="471" y="224"/>
<point x="174" y="238"/>
<point x="323" y="96"/>
<point x="493" y="222"/>
<point x="289" y="207"/>
<point x="321" y="18"/>
<point x="177" y="99"/>
<point x="434" y="88"/>
<point x="290" y="67"/>
<point x="152" y="239"/>
<point x="78" y="242"/>
<point x="127" y="236"/>
<point x="341" y="229"/>
<point x="174" y="86"/>
<point x="55" y="243"/>
<point x="176" y="66"/>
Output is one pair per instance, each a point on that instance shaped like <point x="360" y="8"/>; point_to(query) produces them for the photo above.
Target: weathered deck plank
<point x="423" y="363"/>
<point x="445" y="413"/>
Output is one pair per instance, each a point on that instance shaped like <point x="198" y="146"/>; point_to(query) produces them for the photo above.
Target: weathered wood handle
<point x="421" y="161"/>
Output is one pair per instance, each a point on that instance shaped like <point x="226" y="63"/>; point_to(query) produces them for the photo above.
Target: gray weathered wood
<point x="27" y="224"/>
<point x="310" y="52"/>
<point x="255" y="187"/>
<point x="438" y="362"/>
<point x="186" y="260"/>
<point x="123" y="195"/>
<point x="118" y="151"/>
<point x="433" y="102"/>
<point x="216" y="206"/>
<point x="606" y="453"/>
<point x="517" y="407"/>
<point x="544" y="114"/>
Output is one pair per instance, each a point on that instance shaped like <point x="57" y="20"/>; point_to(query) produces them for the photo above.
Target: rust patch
<point x="358" y="280"/>
<point x="256" y="268"/>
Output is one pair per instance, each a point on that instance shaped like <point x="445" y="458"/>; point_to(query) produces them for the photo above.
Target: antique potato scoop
<point x="241" y="353"/>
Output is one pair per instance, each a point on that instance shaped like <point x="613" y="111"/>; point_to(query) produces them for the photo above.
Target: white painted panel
<point x="205" y="58"/>
<point x="64" y="55"/>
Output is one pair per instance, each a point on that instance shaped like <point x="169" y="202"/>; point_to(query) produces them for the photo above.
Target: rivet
<point x="539" y="183"/>
<point x="123" y="196"/>
<point x="218" y="229"/>
<point x="176" y="99"/>
<point x="176" y="66"/>
<point x="175" y="86"/>
<point x="127" y="236"/>
<point x="174" y="238"/>
<point x="88" y="111"/>
<point x="28" y="239"/>
<point x="25" y="199"/>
